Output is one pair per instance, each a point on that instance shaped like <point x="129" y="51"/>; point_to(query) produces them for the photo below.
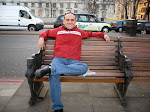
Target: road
<point x="14" y="49"/>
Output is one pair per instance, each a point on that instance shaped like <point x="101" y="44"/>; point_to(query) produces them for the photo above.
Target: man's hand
<point x="106" y="38"/>
<point x="41" y="43"/>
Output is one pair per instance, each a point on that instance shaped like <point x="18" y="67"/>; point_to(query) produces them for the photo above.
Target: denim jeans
<point x="62" y="66"/>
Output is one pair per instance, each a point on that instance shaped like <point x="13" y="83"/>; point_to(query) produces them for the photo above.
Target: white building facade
<point x="54" y="8"/>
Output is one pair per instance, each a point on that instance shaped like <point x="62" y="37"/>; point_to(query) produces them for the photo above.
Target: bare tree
<point x="147" y="11"/>
<point x="129" y="3"/>
<point x="124" y="3"/>
<point x="52" y="7"/>
<point x="91" y="6"/>
<point x="135" y="7"/>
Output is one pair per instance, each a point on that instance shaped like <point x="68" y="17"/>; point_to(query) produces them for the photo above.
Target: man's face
<point x="69" y="21"/>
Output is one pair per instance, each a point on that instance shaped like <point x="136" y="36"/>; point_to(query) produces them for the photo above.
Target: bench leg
<point x="35" y="88"/>
<point x="121" y="89"/>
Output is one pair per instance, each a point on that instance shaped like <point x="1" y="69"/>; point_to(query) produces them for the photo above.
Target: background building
<point x="124" y="9"/>
<point x="131" y="9"/>
<point x="142" y="9"/>
<point x="49" y="10"/>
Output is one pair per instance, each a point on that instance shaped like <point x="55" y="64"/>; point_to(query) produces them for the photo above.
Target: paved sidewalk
<point x="84" y="97"/>
<point x="6" y="93"/>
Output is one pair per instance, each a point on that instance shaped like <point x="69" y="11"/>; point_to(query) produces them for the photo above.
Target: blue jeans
<point x="62" y="66"/>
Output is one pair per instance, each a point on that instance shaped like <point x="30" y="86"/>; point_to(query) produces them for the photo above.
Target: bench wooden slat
<point x="98" y="54"/>
<point x="100" y="74"/>
<point x="93" y="80"/>
<point x="84" y="48"/>
<point x="49" y="47"/>
<point x="140" y="68"/>
<point x="141" y="80"/>
<point x="141" y="73"/>
<point x="94" y="43"/>
<point x="87" y="53"/>
<point x="97" y="43"/>
<point x="88" y="48"/>
<point x="91" y="39"/>
<point x="50" y="42"/>
<point x="86" y="58"/>
<point x="106" y="71"/>
<point x="132" y="44"/>
<point x="47" y="57"/>
<point x="137" y="55"/>
<point x="103" y="67"/>
<point x="125" y="39"/>
<point x="100" y="39"/>
<point x="135" y="49"/>
<point x="92" y="58"/>
<point x="48" y="52"/>
<point x="141" y="64"/>
<point x="140" y="60"/>
<point x="98" y="63"/>
<point x="108" y="74"/>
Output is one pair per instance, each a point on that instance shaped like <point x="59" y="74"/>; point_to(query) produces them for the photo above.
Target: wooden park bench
<point x="106" y="59"/>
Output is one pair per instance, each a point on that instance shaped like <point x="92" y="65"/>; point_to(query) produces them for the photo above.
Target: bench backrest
<point x="138" y="50"/>
<point x="96" y="53"/>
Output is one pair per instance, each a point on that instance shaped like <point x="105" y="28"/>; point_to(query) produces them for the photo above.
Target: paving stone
<point x="77" y="102"/>
<point x="107" y="105"/>
<point x="3" y="101"/>
<point x="102" y="90"/>
<point x="139" y="89"/>
<point x="139" y="104"/>
<point x="74" y="87"/>
<point x="7" y="92"/>
<point x="20" y="104"/>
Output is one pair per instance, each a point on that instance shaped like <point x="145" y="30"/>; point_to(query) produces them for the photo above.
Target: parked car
<point x="87" y="22"/>
<point x="118" y="26"/>
<point x="143" y="27"/>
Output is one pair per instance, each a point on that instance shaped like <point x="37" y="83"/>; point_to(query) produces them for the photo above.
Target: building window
<point x="33" y="11"/>
<point x="25" y="4"/>
<point x="54" y="13"/>
<point x="68" y="5"/>
<point x="75" y="11"/>
<point x="61" y="5"/>
<point x="4" y="3"/>
<point x="18" y="4"/>
<point x="40" y="5"/>
<point x="40" y="13"/>
<point x="61" y="11"/>
<point x="32" y="5"/>
<point x="47" y="5"/>
<point x="54" y="5"/>
<point x="47" y="13"/>
<point x="75" y="5"/>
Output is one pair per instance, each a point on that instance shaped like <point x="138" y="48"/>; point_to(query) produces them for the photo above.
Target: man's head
<point x="69" y="20"/>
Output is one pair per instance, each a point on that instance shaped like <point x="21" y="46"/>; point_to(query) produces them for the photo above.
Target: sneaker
<point x="60" y="110"/>
<point x="41" y="72"/>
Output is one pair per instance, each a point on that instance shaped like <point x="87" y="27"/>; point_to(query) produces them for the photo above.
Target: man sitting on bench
<point x="67" y="52"/>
